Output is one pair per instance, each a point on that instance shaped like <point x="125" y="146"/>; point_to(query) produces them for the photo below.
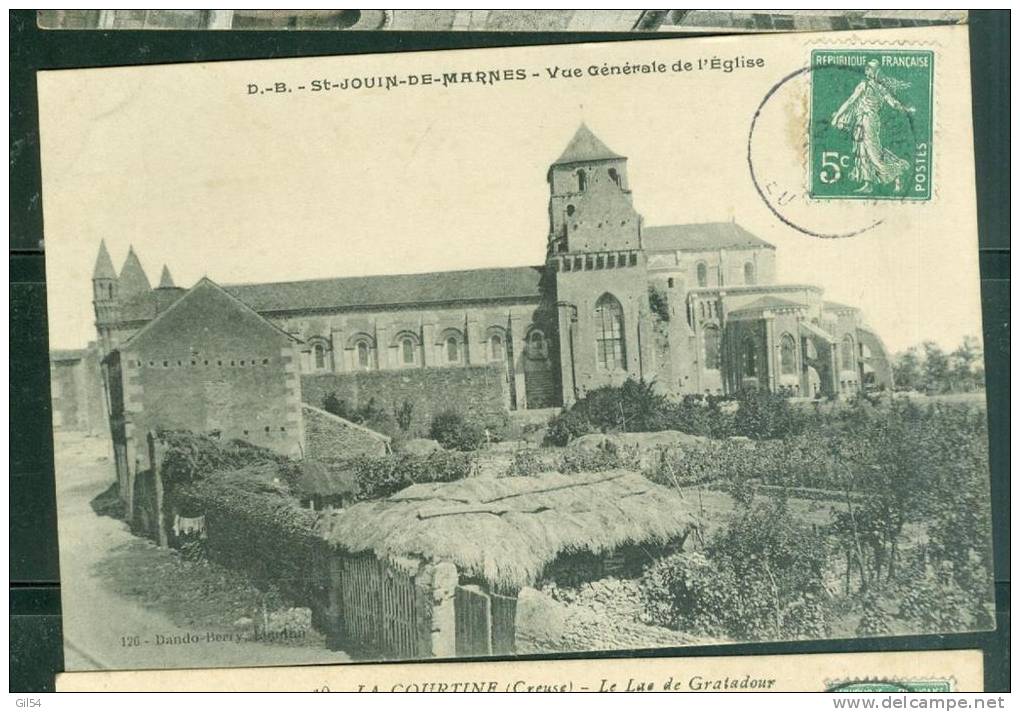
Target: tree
<point x="965" y="365"/>
<point x="936" y="368"/>
<point x="907" y="369"/>
<point x="932" y="369"/>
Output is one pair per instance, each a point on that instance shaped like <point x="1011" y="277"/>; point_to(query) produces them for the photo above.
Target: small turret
<point x="167" y="292"/>
<point x="104" y="278"/>
<point x="132" y="280"/>
<point x="166" y="280"/>
<point x="105" y="297"/>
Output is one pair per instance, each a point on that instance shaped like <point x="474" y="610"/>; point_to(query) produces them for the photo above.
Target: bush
<point x="677" y="593"/>
<point x="635" y="407"/>
<point x="632" y="407"/>
<point x="599" y="460"/>
<point x="697" y="415"/>
<point x="251" y="527"/>
<point x="337" y="406"/>
<point x="731" y="463"/>
<point x="566" y="426"/>
<point x="875" y="620"/>
<point x="763" y="415"/>
<point x="191" y="457"/>
<point x="525" y="463"/>
<point x="934" y="606"/>
<point x="453" y="432"/>
<point x="760" y="578"/>
<point x="378" y="477"/>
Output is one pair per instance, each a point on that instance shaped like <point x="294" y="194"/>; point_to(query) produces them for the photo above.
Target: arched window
<point x="749" y="274"/>
<point x="582" y="181"/>
<point x="537" y="347"/>
<point x="609" y="333"/>
<point x="702" y="274"/>
<point x="713" y="338"/>
<point x="847" y="353"/>
<point x="750" y="358"/>
<point x="496" y="350"/>
<point x="787" y="355"/>
<point x="363" y="354"/>
<point x="614" y="176"/>
<point x="452" y="349"/>
<point x="450" y="343"/>
<point x="407" y="350"/>
<point x="319" y="356"/>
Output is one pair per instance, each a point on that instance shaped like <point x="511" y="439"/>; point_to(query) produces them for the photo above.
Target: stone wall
<point x="76" y="391"/>
<point x="475" y="391"/>
<point x="328" y="437"/>
<point x="601" y="615"/>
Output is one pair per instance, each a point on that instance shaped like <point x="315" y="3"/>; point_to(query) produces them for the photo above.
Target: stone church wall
<point x="475" y="391"/>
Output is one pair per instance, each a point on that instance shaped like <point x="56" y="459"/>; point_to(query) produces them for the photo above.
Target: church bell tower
<point x="590" y="207"/>
<point x="599" y="268"/>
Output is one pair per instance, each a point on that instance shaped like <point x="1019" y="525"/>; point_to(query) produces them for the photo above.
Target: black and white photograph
<point x="510" y="352"/>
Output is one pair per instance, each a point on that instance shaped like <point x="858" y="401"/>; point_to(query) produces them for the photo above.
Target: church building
<point x="694" y="308"/>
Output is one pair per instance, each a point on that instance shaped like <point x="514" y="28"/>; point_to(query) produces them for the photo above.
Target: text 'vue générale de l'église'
<point x="495" y="77"/>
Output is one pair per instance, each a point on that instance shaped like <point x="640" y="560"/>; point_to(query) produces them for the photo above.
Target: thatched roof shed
<point x="508" y="530"/>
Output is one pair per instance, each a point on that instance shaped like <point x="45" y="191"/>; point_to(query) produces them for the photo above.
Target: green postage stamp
<point x="871" y="124"/>
<point x="879" y="685"/>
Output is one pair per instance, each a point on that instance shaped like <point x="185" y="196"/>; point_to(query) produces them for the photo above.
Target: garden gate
<point x="484" y="622"/>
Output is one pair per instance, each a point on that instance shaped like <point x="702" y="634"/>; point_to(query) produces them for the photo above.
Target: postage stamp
<point x="888" y="685"/>
<point x="871" y="124"/>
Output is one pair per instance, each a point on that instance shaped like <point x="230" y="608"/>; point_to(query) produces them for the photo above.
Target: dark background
<point x="35" y="633"/>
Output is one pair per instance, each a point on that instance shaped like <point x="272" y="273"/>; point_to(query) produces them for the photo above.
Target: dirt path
<point x="101" y="627"/>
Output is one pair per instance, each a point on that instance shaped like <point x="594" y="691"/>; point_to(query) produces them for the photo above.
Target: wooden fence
<point x="383" y="610"/>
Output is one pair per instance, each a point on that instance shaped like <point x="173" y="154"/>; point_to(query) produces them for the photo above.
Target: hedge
<point x="378" y="477"/>
<point x="258" y="528"/>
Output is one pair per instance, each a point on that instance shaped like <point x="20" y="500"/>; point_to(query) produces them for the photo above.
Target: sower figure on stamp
<point x="859" y="115"/>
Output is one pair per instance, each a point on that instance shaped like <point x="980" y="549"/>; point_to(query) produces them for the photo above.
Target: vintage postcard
<point x="560" y="20"/>
<point x="516" y="351"/>
<point x="924" y="671"/>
